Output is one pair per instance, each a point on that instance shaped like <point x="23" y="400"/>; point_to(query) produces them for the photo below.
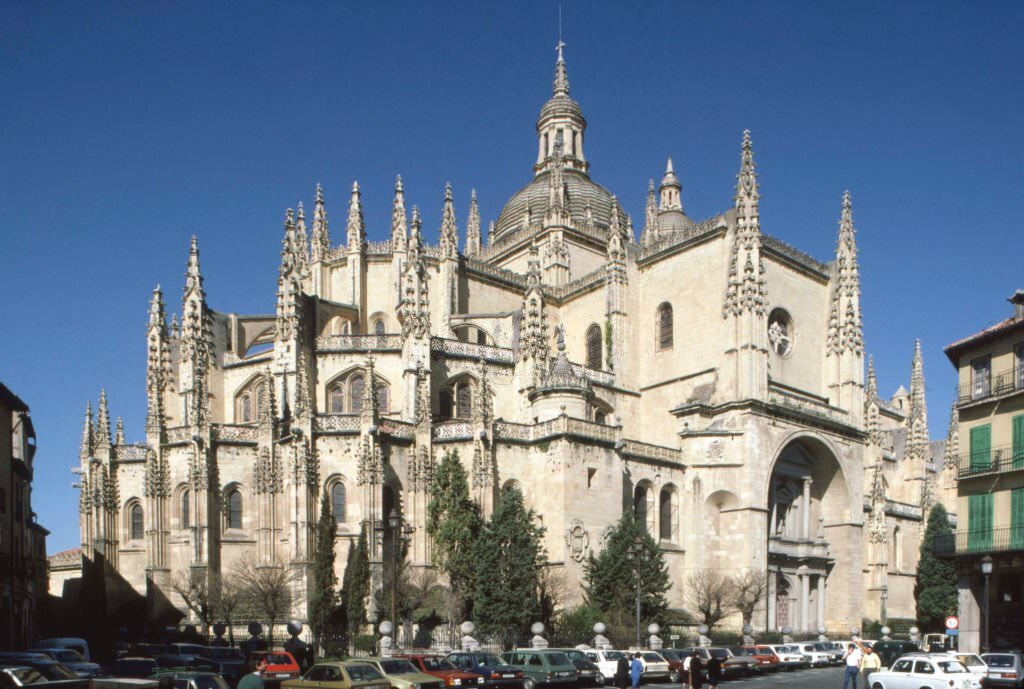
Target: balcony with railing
<point x="991" y="386"/>
<point x="978" y="542"/>
<point x="470" y="350"/>
<point x="359" y="343"/>
<point x="996" y="460"/>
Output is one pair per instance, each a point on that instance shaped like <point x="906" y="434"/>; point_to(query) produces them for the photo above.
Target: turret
<point x="561" y="120"/>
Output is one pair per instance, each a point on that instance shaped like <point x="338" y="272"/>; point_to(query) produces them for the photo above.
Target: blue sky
<point x="130" y="126"/>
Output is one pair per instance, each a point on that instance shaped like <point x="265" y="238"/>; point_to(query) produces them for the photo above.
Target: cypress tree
<point x="356" y="585"/>
<point x="509" y="564"/>
<point x="454" y="523"/>
<point x="323" y="598"/>
<point x="935" y="586"/>
<point x="610" y="578"/>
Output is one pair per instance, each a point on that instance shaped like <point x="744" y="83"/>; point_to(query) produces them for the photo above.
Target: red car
<point x="439" y="666"/>
<point x="280" y="665"/>
<point x="765" y="657"/>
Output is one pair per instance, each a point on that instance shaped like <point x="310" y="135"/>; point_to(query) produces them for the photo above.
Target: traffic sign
<point x="952" y="632"/>
<point x="952" y="622"/>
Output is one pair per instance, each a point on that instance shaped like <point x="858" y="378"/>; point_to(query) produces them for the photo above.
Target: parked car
<point x="15" y="676"/>
<point x="924" y="671"/>
<point x="1004" y="669"/>
<point x="341" y="675"/>
<point x="496" y="672"/>
<point x="281" y="665"/>
<point x="438" y="666"/>
<point x="818" y="657"/>
<point x="402" y="674"/>
<point x="189" y="679"/>
<point x="889" y="651"/>
<point x="732" y="666"/>
<point x="606" y="661"/>
<point x="656" y="667"/>
<point x="674" y="658"/>
<point x="133" y="666"/>
<point x="44" y="664"/>
<point x="974" y="664"/>
<point x="543" y="667"/>
<point x="72" y="659"/>
<point x="231" y="662"/>
<point x="74" y="643"/>
<point x="790" y="657"/>
<point x="765" y="657"/>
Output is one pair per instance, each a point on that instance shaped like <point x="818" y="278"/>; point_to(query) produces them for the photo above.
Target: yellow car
<point x="348" y="674"/>
<point x="403" y="674"/>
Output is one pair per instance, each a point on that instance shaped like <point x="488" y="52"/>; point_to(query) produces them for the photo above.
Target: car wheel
<point x="877" y="685"/>
<point x="529" y="683"/>
<point x="673" y="676"/>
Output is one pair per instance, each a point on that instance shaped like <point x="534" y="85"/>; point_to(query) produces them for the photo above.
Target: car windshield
<point x="653" y="658"/>
<point x="998" y="659"/>
<point x="397" y="667"/>
<point x="719" y="653"/>
<point x="951" y="666"/>
<point x="278" y="659"/>
<point x="55" y="671"/>
<point x="488" y="659"/>
<point x="971" y="660"/>
<point x="27" y="675"/>
<point x="437" y="663"/>
<point x="559" y="659"/>
<point x="737" y="651"/>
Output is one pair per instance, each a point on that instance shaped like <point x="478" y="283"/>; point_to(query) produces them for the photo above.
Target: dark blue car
<point x="496" y="672"/>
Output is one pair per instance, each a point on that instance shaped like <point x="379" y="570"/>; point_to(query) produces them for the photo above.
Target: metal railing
<point x="1000" y="540"/>
<point x="993" y="385"/>
<point x="997" y="460"/>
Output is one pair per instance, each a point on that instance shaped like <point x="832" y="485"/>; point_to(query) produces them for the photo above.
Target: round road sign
<point x="952" y="622"/>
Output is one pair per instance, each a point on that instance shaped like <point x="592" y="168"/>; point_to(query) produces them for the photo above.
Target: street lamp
<point x="986" y="569"/>
<point x="399" y="532"/>
<point x="638" y="556"/>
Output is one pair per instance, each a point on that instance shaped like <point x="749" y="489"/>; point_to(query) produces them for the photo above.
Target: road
<point x="817" y="678"/>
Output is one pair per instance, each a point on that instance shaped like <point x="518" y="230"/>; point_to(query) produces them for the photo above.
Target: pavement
<point x="815" y="678"/>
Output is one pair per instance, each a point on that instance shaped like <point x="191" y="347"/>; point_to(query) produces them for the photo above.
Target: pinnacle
<point x="846" y="200"/>
<point x="319" y="193"/>
<point x="650" y="187"/>
<point x="398" y="184"/>
<point x="447" y="191"/>
<point x="355" y="187"/>
<point x="668" y="166"/>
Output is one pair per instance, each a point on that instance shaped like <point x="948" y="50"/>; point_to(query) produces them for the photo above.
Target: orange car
<point x="439" y="666"/>
<point x="281" y="665"/>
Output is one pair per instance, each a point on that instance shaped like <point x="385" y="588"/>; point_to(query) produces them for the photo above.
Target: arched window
<point x="665" y="326"/>
<point x="444" y="398"/>
<point x="666" y="514"/>
<point x="186" y="505"/>
<point x="338" y="502"/>
<point x="594" y="346"/>
<point x="135" y="527"/>
<point x="383" y="399"/>
<point x="378" y="326"/>
<point x="463" y="400"/>
<point x="356" y="385"/>
<point x="600" y="417"/>
<point x="247" y="401"/>
<point x="640" y="505"/>
<point x="234" y="513"/>
<point x="456" y="400"/>
<point x="336" y="398"/>
<point x="896" y="561"/>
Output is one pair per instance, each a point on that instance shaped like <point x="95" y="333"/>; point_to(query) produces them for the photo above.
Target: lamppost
<point x="986" y="569"/>
<point x="638" y="556"/>
<point x="401" y="534"/>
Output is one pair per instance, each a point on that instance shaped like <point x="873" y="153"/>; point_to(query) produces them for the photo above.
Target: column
<point x="805" y="595"/>
<point x="821" y="601"/>
<point x="773" y="577"/>
<point x="806" y="509"/>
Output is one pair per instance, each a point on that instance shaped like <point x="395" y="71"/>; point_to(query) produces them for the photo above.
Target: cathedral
<point x="704" y="375"/>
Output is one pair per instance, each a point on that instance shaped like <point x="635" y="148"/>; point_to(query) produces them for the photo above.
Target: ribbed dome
<point x="561" y="105"/>
<point x="581" y="191"/>
<point x="673" y="221"/>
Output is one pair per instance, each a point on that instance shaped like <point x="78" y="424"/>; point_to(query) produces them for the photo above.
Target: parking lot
<point x="816" y="678"/>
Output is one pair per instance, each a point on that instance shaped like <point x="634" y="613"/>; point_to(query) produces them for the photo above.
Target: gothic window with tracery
<point x="234" y="509"/>
<point x="135" y="525"/>
<point x="336" y="398"/>
<point x="463" y="400"/>
<point x="356" y="388"/>
<point x="780" y="332"/>
<point x="186" y="509"/>
<point x="338" y="502"/>
<point x="247" y="401"/>
<point x="456" y="400"/>
<point x="640" y="497"/>
<point x="665" y="328"/>
<point x="594" y="346"/>
<point x="667" y="514"/>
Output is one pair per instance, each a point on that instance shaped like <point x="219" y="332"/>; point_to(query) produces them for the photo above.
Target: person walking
<point x="636" y="671"/>
<point x="852" y="660"/>
<point x="696" y="672"/>
<point x="869" y="662"/>
<point x="714" y="672"/>
<point x="254" y="680"/>
<point x="622" y="672"/>
<point x="685" y="674"/>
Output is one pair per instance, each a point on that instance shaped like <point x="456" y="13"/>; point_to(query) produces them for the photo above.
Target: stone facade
<point x="705" y="375"/>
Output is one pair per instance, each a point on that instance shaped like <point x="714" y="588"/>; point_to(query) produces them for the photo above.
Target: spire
<point x="157" y="319"/>
<point x="321" y="243"/>
<point x="289" y="259"/>
<point x="399" y="226"/>
<point x="746" y="290"/>
<point x="918" y="418"/>
<point x="157" y="362"/>
<point x="650" y="231"/>
<point x="534" y="338"/>
<point x="872" y="387"/>
<point x="370" y="408"/>
<point x="119" y="432"/>
<point x="490" y="233"/>
<point x="103" y="422"/>
<point x="872" y="421"/>
<point x="449" y="230"/>
<point x="415" y="236"/>
<point x="473" y="239"/>
<point x="355" y="228"/>
<point x="193" y="276"/>
<point x="196" y="342"/>
<point x="561" y="85"/>
<point x="617" y="236"/>
<point x="950" y="459"/>
<point x="845" y="326"/>
<point x="670" y="190"/>
<point x="301" y="243"/>
<point x="414" y="309"/>
<point x="88" y="439"/>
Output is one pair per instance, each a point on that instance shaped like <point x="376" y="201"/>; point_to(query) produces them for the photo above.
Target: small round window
<point x="780" y="332"/>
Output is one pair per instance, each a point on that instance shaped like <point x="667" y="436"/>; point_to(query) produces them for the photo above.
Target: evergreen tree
<point x="323" y="598"/>
<point x="509" y="563"/>
<point x="454" y="523"/>
<point x="935" y="587"/>
<point x="356" y="585"/>
<point x="610" y="578"/>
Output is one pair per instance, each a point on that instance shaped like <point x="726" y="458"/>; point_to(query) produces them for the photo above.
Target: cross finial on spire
<point x="561" y="74"/>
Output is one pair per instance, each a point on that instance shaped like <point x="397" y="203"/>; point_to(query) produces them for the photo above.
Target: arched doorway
<point x="807" y="496"/>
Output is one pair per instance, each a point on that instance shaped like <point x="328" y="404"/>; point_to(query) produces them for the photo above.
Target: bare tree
<point x="711" y="595"/>
<point x="748" y="590"/>
<point x="228" y="604"/>
<point x="266" y="590"/>
<point x="199" y="596"/>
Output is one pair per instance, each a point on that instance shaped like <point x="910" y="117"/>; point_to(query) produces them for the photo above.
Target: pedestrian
<point x="254" y="680"/>
<point x="714" y="671"/>
<point x="685" y="674"/>
<point x="636" y="671"/>
<point x="869" y="662"/>
<point x="696" y="672"/>
<point x="622" y="671"/>
<point x="852" y="659"/>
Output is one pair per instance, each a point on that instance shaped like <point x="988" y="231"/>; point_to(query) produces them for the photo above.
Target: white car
<point x="655" y="666"/>
<point x="819" y="658"/>
<point x="606" y="661"/>
<point x="923" y="671"/>
<point x="789" y="655"/>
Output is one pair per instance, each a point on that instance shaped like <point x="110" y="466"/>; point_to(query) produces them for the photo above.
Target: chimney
<point x="1018" y="304"/>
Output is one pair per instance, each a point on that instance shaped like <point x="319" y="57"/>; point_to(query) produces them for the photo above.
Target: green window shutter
<point x="1017" y="518"/>
<point x="979" y="522"/>
<point x="981" y="448"/>
<point x="1018" y="441"/>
